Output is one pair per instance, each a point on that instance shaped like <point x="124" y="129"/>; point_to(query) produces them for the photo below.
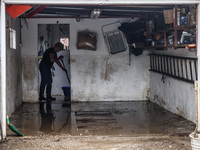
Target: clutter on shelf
<point x="176" y="31"/>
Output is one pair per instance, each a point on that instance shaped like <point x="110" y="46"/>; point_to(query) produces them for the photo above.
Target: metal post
<point x="3" y="70"/>
<point x="198" y="55"/>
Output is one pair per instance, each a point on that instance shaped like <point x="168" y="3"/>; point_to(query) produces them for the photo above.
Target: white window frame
<point x="13" y="39"/>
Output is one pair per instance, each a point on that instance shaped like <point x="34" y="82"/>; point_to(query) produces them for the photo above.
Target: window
<point x="65" y="42"/>
<point x="12" y="38"/>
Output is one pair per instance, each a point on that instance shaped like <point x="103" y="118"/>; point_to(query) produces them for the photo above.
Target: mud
<point x="98" y="125"/>
<point x="66" y="142"/>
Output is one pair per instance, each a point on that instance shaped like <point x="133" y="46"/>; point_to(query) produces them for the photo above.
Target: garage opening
<point x="125" y="66"/>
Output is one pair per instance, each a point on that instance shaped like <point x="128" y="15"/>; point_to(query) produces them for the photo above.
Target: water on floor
<point x="98" y="118"/>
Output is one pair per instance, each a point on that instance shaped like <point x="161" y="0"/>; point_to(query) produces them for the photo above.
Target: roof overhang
<point x="99" y="2"/>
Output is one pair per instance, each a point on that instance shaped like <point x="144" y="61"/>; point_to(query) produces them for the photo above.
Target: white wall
<point x="95" y="75"/>
<point x="174" y="95"/>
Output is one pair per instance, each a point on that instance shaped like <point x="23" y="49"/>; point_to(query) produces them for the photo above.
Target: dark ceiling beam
<point x="103" y="8"/>
<point x="75" y="16"/>
<point x="86" y="14"/>
<point x="65" y="11"/>
<point x="35" y="11"/>
<point x="115" y="6"/>
<point x="104" y="13"/>
<point x="108" y="11"/>
<point x="80" y="12"/>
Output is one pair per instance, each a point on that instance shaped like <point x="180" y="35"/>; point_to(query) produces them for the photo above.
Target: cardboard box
<point x="168" y="15"/>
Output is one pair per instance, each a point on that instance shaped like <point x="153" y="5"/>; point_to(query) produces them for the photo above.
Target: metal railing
<point x="182" y="68"/>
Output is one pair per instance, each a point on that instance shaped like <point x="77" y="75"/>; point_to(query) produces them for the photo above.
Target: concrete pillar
<point x="3" y="71"/>
<point x="198" y="55"/>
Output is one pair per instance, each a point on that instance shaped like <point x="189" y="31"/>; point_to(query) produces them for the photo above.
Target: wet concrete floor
<point x="139" y="118"/>
<point x="59" y="125"/>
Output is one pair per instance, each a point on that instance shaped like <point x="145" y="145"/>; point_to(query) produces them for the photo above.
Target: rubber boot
<point x="48" y="91"/>
<point x="41" y="94"/>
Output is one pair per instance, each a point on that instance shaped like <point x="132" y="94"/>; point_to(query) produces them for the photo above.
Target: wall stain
<point x="72" y="60"/>
<point x="159" y="101"/>
<point x="94" y="64"/>
<point x="106" y="70"/>
<point x="180" y="112"/>
<point x="90" y="70"/>
<point x="110" y="69"/>
<point x="30" y="78"/>
<point x="148" y="94"/>
<point x="29" y="71"/>
<point x="155" y="97"/>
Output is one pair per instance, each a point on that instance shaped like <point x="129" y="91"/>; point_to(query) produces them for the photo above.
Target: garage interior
<point x="144" y="86"/>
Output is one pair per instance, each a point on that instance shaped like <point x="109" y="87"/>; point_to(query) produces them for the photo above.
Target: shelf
<point x="158" y="47"/>
<point x="179" y="28"/>
<point x="173" y="31"/>
<point x="187" y="46"/>
<point x="175" y="45"/>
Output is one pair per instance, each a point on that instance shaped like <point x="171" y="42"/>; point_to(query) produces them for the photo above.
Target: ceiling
<point x="84" y="11"/>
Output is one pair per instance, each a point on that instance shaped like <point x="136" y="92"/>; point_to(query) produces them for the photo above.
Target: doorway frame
<point x="79" y="2"/>
<point x="50" y="44"/>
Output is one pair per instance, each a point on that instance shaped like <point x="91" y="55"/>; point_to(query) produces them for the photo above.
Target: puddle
<point x="98" y="118"/>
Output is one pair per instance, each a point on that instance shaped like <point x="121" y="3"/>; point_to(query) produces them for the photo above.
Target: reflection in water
<point x="47" y="116"/>
<point x="127" y="119"/>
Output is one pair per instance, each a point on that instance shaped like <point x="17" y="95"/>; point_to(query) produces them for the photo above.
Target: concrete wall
<point x="174" y="95"/>
<point x="95" y="75"/>
<point x="13" y="69"/>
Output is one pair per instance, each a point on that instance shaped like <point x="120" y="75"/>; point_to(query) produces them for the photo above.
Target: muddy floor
<point x="65" y="142"/>
<point x="139" y="125"/>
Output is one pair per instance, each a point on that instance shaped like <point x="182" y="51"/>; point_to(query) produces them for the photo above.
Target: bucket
<point x="195" y="142"/>
<point x="67" y="92"/>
